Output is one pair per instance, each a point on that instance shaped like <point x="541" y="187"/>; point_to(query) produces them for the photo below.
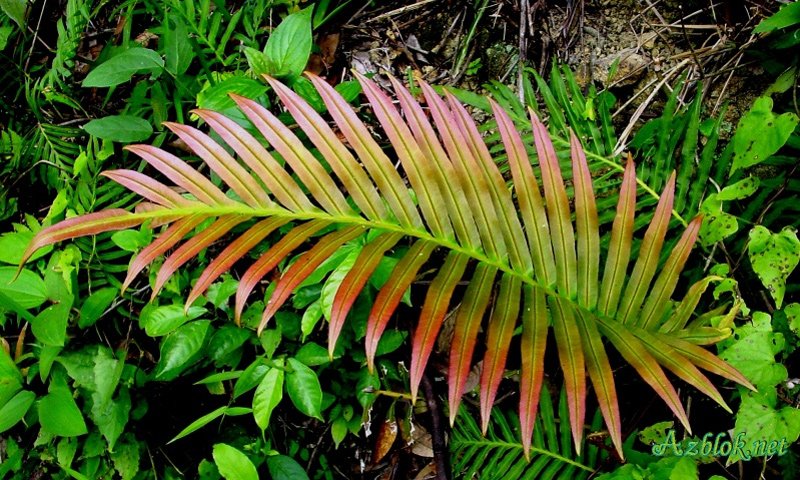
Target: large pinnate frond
<point x="524" y="254"/>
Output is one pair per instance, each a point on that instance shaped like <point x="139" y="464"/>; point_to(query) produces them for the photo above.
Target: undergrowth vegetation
<point x="221" y="257"/>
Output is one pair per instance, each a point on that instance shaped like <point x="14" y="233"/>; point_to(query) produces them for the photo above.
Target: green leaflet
<point x="282" y="467"/>
<point x="760" y="134"/>
<point x="59" y="414"/>
<point x="181" y="348"/>
<point x="123" y="66"/>
<point x="304" y="389"/>
<point x="774" y="256"/>
<point x="763" y="423"/>
<point x="717" y="223"/>
<point x="16" y="408"/>
<point x="288" y="47"/>
<point x="233" y="464"/>
<point x="268" y="395"/>
<point x="120" y="128"/>
<point x="159" y="321"/>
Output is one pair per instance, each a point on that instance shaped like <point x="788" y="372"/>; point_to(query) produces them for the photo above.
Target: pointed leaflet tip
<point x="533" y="344"/>
<point x="270" y="259"/>
<point x="465" y="334"/>
<point x="501" y="329"/>
<point x="89" y="224"/>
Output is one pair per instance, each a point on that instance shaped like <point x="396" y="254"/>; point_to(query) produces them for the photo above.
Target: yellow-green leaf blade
<point x="465" y="334"/>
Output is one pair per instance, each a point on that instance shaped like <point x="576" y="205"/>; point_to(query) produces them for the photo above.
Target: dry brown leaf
<point x="421" y="442"/>
<point x="387" y="434"/>
<point x="427" y="473"/>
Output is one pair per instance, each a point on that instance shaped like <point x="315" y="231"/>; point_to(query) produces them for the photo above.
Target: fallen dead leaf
<point x="387" y="434"/>
<point x="427" y="473"/>
<point x="421" y="442"/>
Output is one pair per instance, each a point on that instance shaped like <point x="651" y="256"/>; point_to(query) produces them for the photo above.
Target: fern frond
<point x="545" y="264"/>
<point x="498" y="454"/>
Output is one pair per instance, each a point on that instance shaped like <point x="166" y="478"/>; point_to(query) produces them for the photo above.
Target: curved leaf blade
<point x="378" y="165"/>
<point x="305" y="266"/>
<point x="433" y="312"/>
<point x="233" y="253"/>
<point x="391" y="293"/>
<point x="501" y="329"/>
<point x="276" y="179"/>
<point x="270" y="259"/>
<point x="465" y="334"/>
<point x="354" y="282"/>
<point x="421" y="175"/>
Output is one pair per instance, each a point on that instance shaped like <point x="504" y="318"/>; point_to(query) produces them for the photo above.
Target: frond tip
<point x="525" y="240"/>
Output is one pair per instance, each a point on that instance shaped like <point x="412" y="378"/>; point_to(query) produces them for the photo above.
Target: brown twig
<point x="440" y="454"/>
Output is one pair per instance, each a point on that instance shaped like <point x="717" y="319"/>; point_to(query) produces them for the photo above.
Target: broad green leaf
<point x="313" y="354"/>
<point x="160" y="321"/>
<point x="233" y="464"/>
<point x="50" y="325"/>
<point x="390" y="341"/>
<point x="257" y="61"/>
<point x="10" y="377"/>
<point x="123" y="66"/>
<point x="792" y="312"/>
<point x="717" y="223"/>
<point x="66" y="450"/>
<point x="338" y="430"/>
<point x="289" y="46"/>
<point x="334" y="281"/>
<point x="752" y="351"/>
<point x="774" y="256"/>
<point x="181" y="348"/>
<point x="15" y="9"/>
<point x="220" y="292"/>
<point x="763" y="426"/>
<point x="16" y="408"/>
<point x="282" y="467"/>
<point x="225" y="346"/>
<point x="12" y="246"/>
<point x="311" y="316"/>
<point x="268" y="395"/>
<point x="126" y="457"/>
<point x="59" y="414"/>
<point x="760" y="134"/>
<point x="675" y="468"/>
<point x="95" y="305"/>
<point x="175" y="43"/>
<point x="120" y="128"/>
<point x="250" y="378"/>
<point x="107" y="371"/>
<point x="304" y="389"/>
<point x="5" y="33"/>
<point x="112" y="416"/>
<point x="788" y="15"/>
<point x="217" y="97"/>
<point x="130" y="240"/>
<point x="303" y="87"/>
<point x="27" y="290"/>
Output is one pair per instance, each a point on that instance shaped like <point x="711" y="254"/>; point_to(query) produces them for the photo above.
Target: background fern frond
<point x="500" y="455"/>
